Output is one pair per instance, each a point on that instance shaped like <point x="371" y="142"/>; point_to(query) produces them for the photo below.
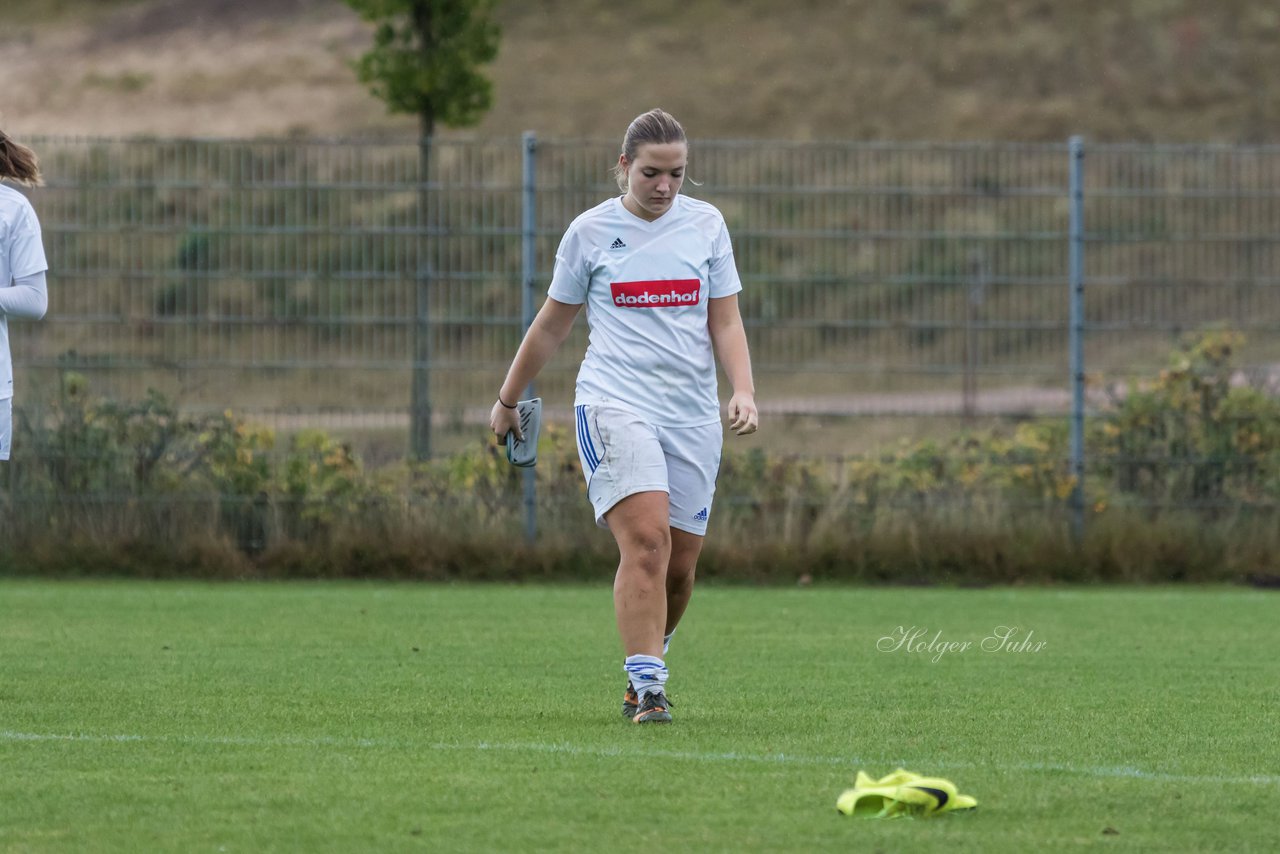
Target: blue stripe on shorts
<point x="584" y="438"/>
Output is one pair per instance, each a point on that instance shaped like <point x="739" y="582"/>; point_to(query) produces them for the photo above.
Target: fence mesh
<point x="891" y="290"/>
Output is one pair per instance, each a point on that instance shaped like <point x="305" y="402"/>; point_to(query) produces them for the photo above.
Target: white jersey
<point x="646" y="286"/>
<point x="21" y="254"/>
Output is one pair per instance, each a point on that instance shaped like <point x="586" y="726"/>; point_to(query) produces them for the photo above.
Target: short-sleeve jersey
<point x="21" y="254"/>
<point x="646" y="286"/>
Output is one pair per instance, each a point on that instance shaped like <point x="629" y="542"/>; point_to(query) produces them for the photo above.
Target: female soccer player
<point x="656" y="272"/>
<point x="22" y="267"/>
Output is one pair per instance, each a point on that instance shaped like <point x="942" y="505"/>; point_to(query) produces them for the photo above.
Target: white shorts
<point x="6" y="426"/>
<point x="622" y="454"/>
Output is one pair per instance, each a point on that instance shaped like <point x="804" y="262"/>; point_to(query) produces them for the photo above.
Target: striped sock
<point x="647" y="673"/>
<point x="666" y="641"/>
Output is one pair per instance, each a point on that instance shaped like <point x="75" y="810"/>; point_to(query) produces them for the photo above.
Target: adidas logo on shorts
<point x="701" y="515"/>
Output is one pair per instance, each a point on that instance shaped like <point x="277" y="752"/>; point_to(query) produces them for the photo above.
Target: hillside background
<point x="807" y="69"/>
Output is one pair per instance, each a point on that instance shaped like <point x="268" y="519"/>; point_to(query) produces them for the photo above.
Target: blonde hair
<point x="19" y="163"/>
<point x="656" y="126"/>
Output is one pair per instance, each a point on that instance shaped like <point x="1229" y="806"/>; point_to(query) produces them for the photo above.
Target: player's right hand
<point x="503" y="421"/>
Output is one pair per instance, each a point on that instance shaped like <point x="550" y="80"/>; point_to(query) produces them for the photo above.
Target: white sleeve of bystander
<point x="28" y="297"/>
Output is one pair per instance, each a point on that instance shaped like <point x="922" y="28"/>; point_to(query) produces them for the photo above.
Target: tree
<point x="424" y="62"/>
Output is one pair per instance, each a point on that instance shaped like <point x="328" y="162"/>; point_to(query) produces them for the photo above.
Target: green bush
<point x="1184" y="483"/>
<point x="1193" y="436"/>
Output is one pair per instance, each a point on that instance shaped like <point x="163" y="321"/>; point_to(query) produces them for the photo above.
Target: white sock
<point x="666" y="641"/>
<point x="647" y="673"/>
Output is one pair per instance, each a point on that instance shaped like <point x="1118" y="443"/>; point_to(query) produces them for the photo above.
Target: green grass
<point x="378" y="717"/>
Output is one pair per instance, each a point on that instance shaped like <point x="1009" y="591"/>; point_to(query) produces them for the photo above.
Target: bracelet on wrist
<point x="504" y="403"/>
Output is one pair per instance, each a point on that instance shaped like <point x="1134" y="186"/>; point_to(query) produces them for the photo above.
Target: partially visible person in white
<point x="23" y="291"/>
<point x="656" y="272"/>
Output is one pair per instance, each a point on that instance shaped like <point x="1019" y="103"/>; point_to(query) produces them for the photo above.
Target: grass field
<point x="376" y="717"/>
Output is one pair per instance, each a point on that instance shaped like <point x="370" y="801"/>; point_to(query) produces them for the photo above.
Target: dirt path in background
<point x="1003" y="402"/>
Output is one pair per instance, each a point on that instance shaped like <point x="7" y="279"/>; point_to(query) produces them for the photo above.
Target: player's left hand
<point x="743" y="416"/>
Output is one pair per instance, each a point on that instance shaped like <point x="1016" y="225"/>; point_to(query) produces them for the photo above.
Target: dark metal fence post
<point x="972" y="317"/>
<point x="528" y="273"/>
<point x="1075" y="275"/>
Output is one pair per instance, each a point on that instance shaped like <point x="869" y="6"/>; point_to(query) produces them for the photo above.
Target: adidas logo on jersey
<point x="617" y="244"/>
<point x="701" y="516"/>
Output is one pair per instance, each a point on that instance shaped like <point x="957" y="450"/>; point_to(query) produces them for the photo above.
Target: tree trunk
<point x="420" y="392"/>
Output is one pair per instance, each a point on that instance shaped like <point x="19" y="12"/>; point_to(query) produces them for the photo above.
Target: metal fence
<point x="887" y="286"/>
<point x="280" y="276"/>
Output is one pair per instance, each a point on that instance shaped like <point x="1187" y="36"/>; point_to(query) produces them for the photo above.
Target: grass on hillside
<point x="46" y="12"/>
<point x="344" y="717"/>
<point x="873" y="69"/>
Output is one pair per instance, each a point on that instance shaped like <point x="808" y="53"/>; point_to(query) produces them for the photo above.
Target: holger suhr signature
<point x="917" y="639"/>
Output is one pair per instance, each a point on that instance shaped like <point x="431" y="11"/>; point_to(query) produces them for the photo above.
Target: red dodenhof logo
<point x="661" y="293"/>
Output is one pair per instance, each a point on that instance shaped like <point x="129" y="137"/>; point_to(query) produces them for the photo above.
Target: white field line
<point x="1124" y="772"/>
